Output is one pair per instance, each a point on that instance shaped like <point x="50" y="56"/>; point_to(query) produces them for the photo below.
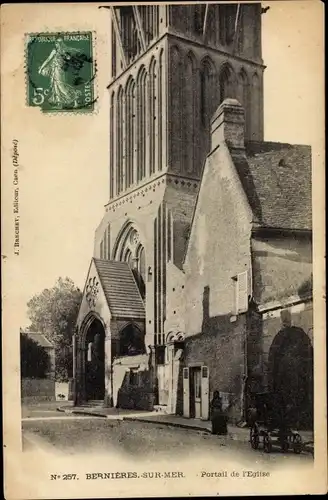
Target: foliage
<point x="53" y="312"/>
<point x="35" y="360"/>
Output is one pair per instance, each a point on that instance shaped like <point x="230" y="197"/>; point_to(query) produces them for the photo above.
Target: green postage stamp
<point x="60" y="71"/>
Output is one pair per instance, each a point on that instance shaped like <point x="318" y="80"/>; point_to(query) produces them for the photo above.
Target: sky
<point x="63" y="175"/>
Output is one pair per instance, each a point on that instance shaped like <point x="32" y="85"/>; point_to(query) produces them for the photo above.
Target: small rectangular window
<point x="204" y="372"/>
<point x="186" y="373"/>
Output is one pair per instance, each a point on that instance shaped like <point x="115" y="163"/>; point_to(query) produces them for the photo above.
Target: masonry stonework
<point x="204" y="255"/>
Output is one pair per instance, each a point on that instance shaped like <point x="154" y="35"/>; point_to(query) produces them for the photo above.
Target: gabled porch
<point x="110" y="326"/>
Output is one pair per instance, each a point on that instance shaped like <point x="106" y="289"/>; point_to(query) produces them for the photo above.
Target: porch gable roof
<point x="120" y="289"/>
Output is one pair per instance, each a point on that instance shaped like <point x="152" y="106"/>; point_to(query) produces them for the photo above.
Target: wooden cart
<point x="270" y="426"/>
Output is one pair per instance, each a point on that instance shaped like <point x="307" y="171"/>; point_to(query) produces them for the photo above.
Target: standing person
<point x="55" y="67"/>
<point x="218" y="418"/>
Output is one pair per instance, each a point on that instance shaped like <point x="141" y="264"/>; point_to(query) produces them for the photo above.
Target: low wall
<point x="38" y="389"/>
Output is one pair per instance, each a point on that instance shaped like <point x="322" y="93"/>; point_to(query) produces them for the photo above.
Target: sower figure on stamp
<point x="218" y="417"/>
<point x="61" y="94"/>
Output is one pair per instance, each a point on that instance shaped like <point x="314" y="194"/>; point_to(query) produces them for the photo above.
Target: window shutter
<point x="205" y="394"/>
<point x="186" y="393"/>
<point x="242" y="292"/>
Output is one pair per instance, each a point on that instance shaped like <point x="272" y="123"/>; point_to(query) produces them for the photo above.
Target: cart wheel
<point x="267" y="443"/>
<point x="254" y="438"/>
<point x="297" y="443"/>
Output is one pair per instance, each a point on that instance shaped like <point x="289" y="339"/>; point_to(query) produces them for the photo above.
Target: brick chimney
<point x="227" y="124"/>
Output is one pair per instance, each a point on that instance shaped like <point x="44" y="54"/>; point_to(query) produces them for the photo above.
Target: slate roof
<point x="277" y="180"/>
<point x="120" y="289"/>
<point x="39" y="338"/>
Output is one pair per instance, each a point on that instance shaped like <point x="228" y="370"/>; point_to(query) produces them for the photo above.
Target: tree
<point x="35" y="360"/>
<point x="54" y="312"/>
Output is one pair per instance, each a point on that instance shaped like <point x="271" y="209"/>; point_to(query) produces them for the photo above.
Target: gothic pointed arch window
<point x="207" y="91"/>
<point x="160" y="108"/>
<point x="128" y="248"/>
<point x="244" y="99"/>
<point x="189" y="112"/>
<point x="227" y="83"/>
<point x="140" y="270"/>
<point x="152" y="103"/>
<point x="141" y="111"/>
<point x="131" y="341"/>
<point x="120" y="139"/>
<point x="176" y="101"/>
<point x="256" y="106"/>
<point x="112" y="146"/>
<point x="141" y="261"/>
<point x="130" y="131"/>
<point x="128" y="257"/>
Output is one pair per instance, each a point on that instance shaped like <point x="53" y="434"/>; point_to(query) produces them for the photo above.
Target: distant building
<point x="36" y="386"/>
<point x="201" y="276"/>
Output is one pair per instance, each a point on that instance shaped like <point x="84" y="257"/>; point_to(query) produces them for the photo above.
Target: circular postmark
<point x="61" y="71"/>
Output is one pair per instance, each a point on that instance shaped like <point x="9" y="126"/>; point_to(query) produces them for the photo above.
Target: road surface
<point x="92" y="435"/>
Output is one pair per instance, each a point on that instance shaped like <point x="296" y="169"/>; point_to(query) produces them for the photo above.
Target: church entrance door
<point x="195" y="393"/>
<point x="95" y="362"/>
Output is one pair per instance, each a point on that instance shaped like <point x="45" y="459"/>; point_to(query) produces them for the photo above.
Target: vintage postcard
<point x="163" y="249"/>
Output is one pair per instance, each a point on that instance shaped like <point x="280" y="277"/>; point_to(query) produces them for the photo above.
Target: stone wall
<point x="38" y="390"/>
<point x="220" y="347"/>
<point x="282" y="267"/>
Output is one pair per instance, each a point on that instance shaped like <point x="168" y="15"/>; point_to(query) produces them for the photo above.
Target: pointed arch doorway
<point x="94" y="361"/>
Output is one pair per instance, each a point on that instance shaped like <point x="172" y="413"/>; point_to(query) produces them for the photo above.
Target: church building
<point x="201" y="277"/>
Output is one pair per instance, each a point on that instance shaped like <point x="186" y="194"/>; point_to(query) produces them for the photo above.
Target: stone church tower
<point x="171" y="68"/>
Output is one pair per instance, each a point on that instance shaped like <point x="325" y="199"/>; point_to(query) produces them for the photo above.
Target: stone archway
<point x="91" y="360"/>
<point x="131" y="341"/>
<point x="291" y="374"/>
